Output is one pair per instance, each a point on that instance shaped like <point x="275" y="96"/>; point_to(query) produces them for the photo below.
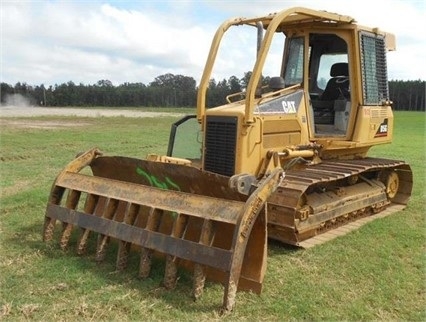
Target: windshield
<point x="185" y="141"/>
<point x="294" y="67"/>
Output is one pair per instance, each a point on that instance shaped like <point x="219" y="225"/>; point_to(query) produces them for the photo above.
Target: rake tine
<point x="48" y="228"/>
<point x="122" y="255"/>
<point x="82" y="242"/>
<point x="124" y="247"/>
<point x="207" y="236"/>
<point x="199" y="281"/>
<point x="153" y="223"/>
<point x="49" y="223"/>
<point x="71" y="203"/>
<point x="145" y="263"/>
<point x="170" y="274"/>
<point x="101" y="248"/>
<point x="104" y="239"/>
<point x="66" y="234"/>
<point x="89" y="208"/>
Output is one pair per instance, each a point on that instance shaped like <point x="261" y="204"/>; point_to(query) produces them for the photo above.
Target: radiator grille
<point x="374" y="69"/>
<point x="220" y="145"/>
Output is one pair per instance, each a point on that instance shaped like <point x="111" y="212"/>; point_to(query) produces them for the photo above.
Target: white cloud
<point x="64" y="41"/>
<point x="58" y="41"/>
<point x="405" y="19"/>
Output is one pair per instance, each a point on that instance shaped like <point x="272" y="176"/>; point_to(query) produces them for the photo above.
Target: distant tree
<point x="5" y="91"/>
<point x="217" y="92"/>
<point x="246" y="79"/>
<point x="408" y="95"/>
<point x="40" y="95"/>
<point x="174" y="90"/>
<point x="234" y="84"/>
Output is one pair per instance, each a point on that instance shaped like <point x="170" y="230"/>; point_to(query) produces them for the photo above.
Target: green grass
<point x="374" y="273"/>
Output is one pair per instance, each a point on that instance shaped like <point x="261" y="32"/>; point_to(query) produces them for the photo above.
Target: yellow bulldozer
<point x="286" y="159"/>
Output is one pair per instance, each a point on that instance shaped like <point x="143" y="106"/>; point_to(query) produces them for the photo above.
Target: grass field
<point x="374" y="273"/>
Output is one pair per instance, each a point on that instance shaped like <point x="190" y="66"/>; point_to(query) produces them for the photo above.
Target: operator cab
<point x="328" y="80"/>
<point x="329" y="84"/>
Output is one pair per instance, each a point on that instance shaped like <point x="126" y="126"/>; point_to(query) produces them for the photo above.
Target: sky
<point x="53" y="42"/>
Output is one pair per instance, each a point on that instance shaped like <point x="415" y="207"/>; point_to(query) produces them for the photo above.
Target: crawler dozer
<point x="285" y="158"/>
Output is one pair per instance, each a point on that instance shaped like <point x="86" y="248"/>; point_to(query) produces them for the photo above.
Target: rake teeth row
<point x="217" y="239"/>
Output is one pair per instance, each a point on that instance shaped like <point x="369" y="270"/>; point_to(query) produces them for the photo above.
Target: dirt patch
<point x="35" y="124"/>
<point x="15" y="111"/>
<point x="15" y="188"/>
<point x="7" y="112"/>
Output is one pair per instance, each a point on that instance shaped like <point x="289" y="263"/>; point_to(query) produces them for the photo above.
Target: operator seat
<point x="338" y="84"/>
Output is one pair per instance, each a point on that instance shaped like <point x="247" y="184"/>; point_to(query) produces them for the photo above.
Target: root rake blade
<point x="216" y="238"/>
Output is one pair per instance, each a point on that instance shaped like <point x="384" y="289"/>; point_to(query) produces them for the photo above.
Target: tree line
<point x="408" y="95"/>
<point x="169" y="90"/>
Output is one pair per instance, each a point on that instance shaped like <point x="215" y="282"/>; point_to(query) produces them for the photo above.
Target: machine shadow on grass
<point x="70" y="266"/>
<point x="63" y="266"/>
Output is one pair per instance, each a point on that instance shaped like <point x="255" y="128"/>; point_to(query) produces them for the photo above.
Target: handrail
<point x="202" y="90"/>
